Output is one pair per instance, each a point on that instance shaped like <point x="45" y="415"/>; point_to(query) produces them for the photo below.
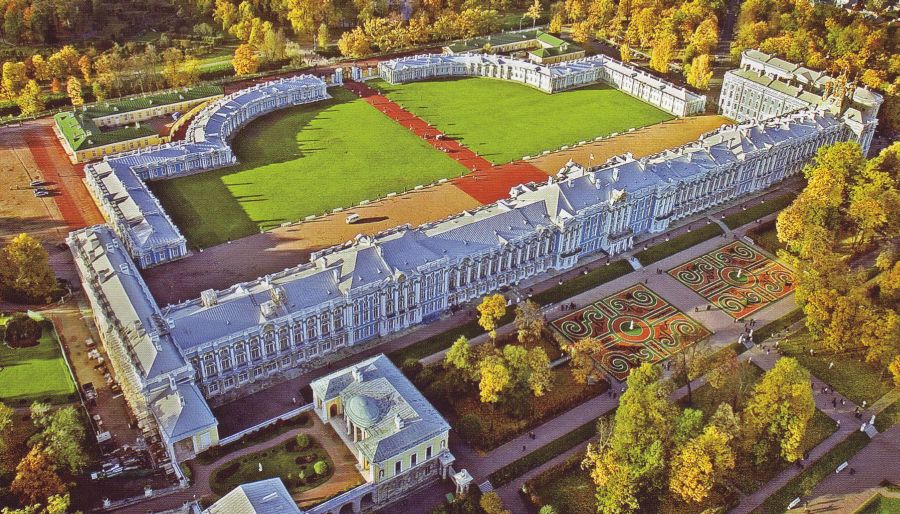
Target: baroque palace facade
<point x="766" y="86"/>
<point x="550" y="79"/>
<point x="174" y="361"/>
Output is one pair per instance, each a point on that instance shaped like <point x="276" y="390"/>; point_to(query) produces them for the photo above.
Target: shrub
<point x="470" y="427"/>
<point x="22" y="331"/>
<point x="300" y="459"/>
<point x="321" y="467"/>
<point x="302" y="441"/>
<point x="229" y="470"/>
<point x="411" y="368"/>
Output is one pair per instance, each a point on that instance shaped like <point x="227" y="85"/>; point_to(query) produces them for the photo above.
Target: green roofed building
<point x="105" y="128"/>
<point x="540" y="47"/>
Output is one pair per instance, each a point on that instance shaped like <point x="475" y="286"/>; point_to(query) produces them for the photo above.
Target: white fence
<point x="283" y="417"/>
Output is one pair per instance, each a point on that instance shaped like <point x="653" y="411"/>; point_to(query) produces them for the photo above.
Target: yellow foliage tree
<point x="490" y="310"/>
<point x="625" y="53"/>
<point x="699" y="72"/>
<point x="73" y="89"/>
<point x="534" y="12"/>
<point x="495" y="377"/>
<point x="36" y="478"/>
<point x="662" y="52"/>
<point x="245" y="61"/>
<point x="355" y="43"/>
<point x="30" y="100"/>
<point x="698" y="465"/>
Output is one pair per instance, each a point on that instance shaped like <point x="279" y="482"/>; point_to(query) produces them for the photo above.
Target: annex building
<point x="107" y="128"/>
<point x="766" y="86"/>
<point x="536" y="45"/>
<point x="550" y="79"/>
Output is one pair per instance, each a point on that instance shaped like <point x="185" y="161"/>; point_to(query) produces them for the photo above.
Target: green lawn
<point x="284" y="461"/>
<point x="35" y="373"/>
<point x="759" y="210"/>
<point x="302" y="161"/>
<point x="807" y="480"/>
<point x="660" y="251"/>
<point x="504" y="121"/>
<point x="881" y="505"/>
<point x="851" y="376"/>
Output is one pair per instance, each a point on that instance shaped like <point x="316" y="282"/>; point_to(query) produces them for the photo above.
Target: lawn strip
<point x="677" y="244"/>
<point x="759" y="211"/>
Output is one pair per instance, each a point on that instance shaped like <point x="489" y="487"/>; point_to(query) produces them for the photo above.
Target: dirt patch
<point x="641" y="143"/>
<point x="254" y="256"/>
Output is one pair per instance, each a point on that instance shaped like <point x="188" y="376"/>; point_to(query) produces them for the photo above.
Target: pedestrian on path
<point x="839" y="423"/>
<point x="523" y="448"/>
<point x="834" y="403"/>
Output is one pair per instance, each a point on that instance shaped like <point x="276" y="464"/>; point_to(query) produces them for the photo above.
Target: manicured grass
<point x="504" y="121"/>
<point x="567" y="487"/>
<point x="880" y="505"/>
<point x="851" y="376"/>
<point x="778" y="325"/>
<point x="583" y="283"/>
<point x="889" y="417"/>
<point x="766" y="237"/>
<point x="280" y="461"/>
<point x="300" y="161"/>
<point x="35" y="373"/>
<point x="260" y="436"/>
<point x="677" y="244"/>
<point x="759" y="210"/>
<point x="518" y="467"/>
<point x="804" y="483"/>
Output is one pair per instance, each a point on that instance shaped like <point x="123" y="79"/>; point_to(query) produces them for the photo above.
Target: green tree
<point x="632" y="465"/>
<point x="322" y="39"/>
<point x="778" y="412"/>
<point x="62" y="437"/>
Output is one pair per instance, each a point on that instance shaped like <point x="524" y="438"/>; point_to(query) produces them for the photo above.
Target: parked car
<point x="36" y="183"/>
<point x="40" y="193"/>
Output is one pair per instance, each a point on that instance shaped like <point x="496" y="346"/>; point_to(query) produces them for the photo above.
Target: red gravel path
<point x="486" y="182"/>
<point x="71" y="196"/>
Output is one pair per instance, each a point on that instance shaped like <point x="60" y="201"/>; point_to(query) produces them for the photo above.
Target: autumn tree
<point x="556" y="24"/>
<point x="534" y="12"/>
<point x="625" y="53"/>
<point x="495" y="377"/>
<point x="460" y="357"/>
<point x="700" y="464"/>
<point x="245" y="61"/>
<point x="30" y="100"/>
<point x="490" y="310"/>
<point x="778" y="412"/>
<point x="322" y="39"/>
<point x="698" y="73"/>
<point x="15" y="77"/>
<point x="585" y="354"/>
<point x="354" y="43"/>
<point x="307" y="15"/>
<point x="73" y="89"/>
<point x="25" y="273"/>
<point x="633" y="463"/>
<point x="36" y="478"/>
<point x="662" y="52"/>
<point x="529" y="322"/>
<point x="491" y="503"/>
<point x="6" y="425"/>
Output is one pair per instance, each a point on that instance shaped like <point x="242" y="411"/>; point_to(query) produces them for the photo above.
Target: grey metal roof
<point x="181" y="412"/>
<point x="263" y="497"/>
<point x="382" y="395"/>
<point x="118" y="281"/>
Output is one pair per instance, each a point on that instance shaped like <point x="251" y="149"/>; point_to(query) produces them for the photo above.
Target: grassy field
<point x="285" y="461"/>
<point x="302" y="161"/>
<point x="503" y="121"/>
<point x="881" y="505"/>
<point x="35" y="373"/>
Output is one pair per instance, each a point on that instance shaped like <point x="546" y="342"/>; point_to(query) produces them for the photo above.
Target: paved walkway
<point x="486" y="183"/>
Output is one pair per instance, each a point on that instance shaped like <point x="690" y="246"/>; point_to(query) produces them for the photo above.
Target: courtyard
<point x="298" y="162"/>
<point x="35" y="373"/>
<point x="504" y="121"/>
<point x="634" y="325"/>
<point x="736" y="278"/>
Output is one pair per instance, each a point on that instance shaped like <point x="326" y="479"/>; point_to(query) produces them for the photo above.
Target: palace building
<point x="766" y="86"/>
<point x="174" y="362"/>
<point x="550" y="79"/>
<point x="118" y="183"/>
